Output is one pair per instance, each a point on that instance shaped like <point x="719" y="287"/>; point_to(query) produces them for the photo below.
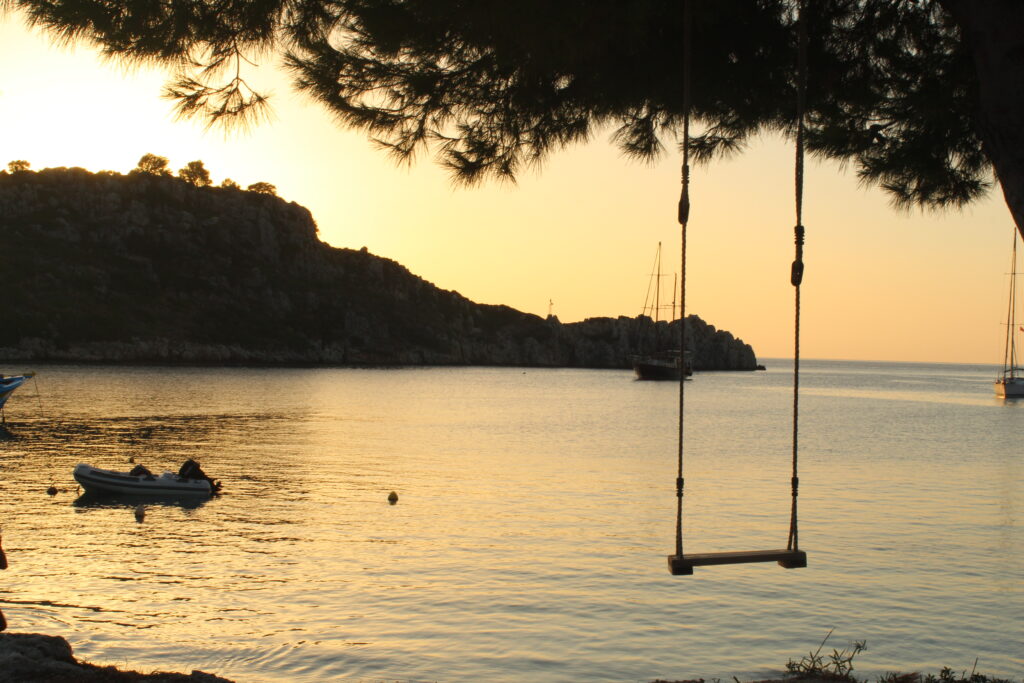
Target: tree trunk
<point x="993" y="31"/>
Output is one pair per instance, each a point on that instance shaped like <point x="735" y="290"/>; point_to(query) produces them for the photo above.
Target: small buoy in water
<point x="392" y="497"/>
<point x="52" y="491"/>
<point x="3" y="557"/>
<point x="140" y="512"/>
<point x="131" y="458"/>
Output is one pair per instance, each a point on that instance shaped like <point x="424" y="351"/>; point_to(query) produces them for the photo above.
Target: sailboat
<point x="1010" y="383"/>
<point x="660" y="365"/>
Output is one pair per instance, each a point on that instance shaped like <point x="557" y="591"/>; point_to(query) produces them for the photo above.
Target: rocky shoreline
<point x="37" y="658"/>
<point x="606" y="343"/>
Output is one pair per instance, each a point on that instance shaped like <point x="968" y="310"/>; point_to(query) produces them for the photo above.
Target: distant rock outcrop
<point x="144" y="268"/>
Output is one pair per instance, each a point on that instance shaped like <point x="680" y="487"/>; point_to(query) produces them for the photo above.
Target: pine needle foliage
<point x="490" y="87"/>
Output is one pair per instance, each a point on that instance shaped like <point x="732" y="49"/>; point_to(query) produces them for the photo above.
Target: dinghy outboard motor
<point x="190" y="469"/>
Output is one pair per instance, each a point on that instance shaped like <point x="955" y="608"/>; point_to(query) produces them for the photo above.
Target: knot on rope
<point x="679" y="487"/>
<point x="684" y="197"/>
<point x="796" y="274"/>
<point x="795" y="482"/>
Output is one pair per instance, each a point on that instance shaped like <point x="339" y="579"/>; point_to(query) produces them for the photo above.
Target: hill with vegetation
<point x="151" y="268"/>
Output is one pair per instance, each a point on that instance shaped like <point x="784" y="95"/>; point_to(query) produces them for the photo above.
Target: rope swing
<point x="791" y="557"/>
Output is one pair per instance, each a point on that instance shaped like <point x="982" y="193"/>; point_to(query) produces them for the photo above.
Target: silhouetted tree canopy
<point x="922" y="97"/>
<point x="262" y="188"/>
<point x="195" y="173"/>
<point x="230" y="184"/>
<point x="18" y="165"/>
<point x="153" y="165"/>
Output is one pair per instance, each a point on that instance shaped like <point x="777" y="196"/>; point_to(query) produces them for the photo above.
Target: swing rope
<point x="684" y="217"/>
<point x="797" y="271"/>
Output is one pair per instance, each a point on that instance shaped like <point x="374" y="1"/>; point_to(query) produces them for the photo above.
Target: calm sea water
<point x="536" y="510"/>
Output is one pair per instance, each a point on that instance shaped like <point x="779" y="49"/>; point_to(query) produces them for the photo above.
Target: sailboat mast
<point x="651" y="305"/>
<point x="1010" y="383"/>
<point x="657" y="287"/>
<point x="674" y="276"/>
<point x="1010" y="350"/>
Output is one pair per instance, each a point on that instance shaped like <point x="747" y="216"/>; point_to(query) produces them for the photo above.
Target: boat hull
<point x="656" y="371"/>
<point x="97" y="481"/>
<point x="1010" y="387"/>
<point x="8" y="385"/>
<point x="663" y="367"/>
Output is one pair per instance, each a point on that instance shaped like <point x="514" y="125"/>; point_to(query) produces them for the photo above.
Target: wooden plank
<point x="683" y="565"/>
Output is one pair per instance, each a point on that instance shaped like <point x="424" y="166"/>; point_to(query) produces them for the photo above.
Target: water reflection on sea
<point x="536" y="508"/>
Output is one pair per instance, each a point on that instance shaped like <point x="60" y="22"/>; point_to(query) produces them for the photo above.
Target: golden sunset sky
<point x="580" y="231"/>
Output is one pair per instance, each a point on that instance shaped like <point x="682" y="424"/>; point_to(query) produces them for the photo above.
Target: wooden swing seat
<point x="684" y="564"/>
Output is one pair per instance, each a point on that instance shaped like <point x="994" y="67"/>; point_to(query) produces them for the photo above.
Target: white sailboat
<point x="1010" y="383"/>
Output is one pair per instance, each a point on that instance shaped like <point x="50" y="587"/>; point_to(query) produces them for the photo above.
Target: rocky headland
<point x="145" y="268"/>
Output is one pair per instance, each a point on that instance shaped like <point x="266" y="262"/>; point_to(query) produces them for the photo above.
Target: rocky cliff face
<point x="143" y="268"/>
